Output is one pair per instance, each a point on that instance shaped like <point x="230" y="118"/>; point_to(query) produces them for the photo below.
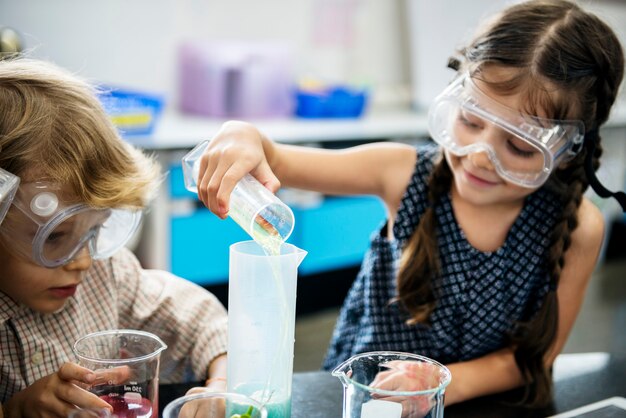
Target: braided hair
<point x="553" y="46"/>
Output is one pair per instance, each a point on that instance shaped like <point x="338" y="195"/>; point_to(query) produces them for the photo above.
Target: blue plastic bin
<point x="335" y="102"/>
<point x="133" y="112"/>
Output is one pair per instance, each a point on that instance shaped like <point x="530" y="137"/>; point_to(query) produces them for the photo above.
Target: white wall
<point x="438" y="28"/>
<point x="134" y="42"/>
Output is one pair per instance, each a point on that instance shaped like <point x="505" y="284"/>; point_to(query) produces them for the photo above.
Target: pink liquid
<point x="131" y="407"/>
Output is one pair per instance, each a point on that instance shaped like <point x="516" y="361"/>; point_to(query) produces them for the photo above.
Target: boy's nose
<point x="81" y="261"/>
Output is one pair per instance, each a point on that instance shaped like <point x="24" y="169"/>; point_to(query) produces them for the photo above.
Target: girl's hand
<point x="237" y="149"/>
<point x="408" y="376"/>
<point x="201" y="408"/>
<point x="56" y="395"/>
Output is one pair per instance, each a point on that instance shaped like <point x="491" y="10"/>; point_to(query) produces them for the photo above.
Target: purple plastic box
<point x="235" y="79"/>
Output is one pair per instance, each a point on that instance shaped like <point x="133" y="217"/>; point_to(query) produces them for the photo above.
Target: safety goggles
<point x="524" y="149"/>
<point x="51" y="233"/>
<point x="8" y="186"/>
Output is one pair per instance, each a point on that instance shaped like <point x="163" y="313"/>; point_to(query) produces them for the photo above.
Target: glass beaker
<point x="90" y="413"/>
<point x="126" y="363"/>
<point x="257" y="210"/>
<point x="261" y="320"/>
<point x="214" y="405"/>
<point x="362" y="400"/>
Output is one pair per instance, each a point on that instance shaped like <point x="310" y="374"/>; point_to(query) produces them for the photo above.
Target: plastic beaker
<point x="421" y="396"/>
<point x="257" y="210"/>
<point x="126" y="363"/>
<point x="214" y="405"/>
<point x="261" y="322"/>
<point x="8" y="186"/>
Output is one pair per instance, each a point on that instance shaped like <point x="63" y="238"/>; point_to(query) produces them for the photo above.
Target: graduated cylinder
<point x="261" y="321"/>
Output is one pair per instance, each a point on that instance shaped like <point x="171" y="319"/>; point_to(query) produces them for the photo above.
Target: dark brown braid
<point x="420" y="258"/>
<point x="570" y="64"/>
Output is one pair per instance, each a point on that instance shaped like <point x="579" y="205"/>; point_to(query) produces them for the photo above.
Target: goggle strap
<point x="593" y="180"/>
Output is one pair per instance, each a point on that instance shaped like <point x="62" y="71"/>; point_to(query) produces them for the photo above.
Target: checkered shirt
<point x="479" y="294"/>
<point x="116" y="293"/>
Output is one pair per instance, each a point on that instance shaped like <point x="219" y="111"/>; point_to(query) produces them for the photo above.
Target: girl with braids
<point x="489" y="243"/>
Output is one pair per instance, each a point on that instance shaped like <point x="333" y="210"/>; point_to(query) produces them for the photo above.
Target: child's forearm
<point x="493" y="373"/>
<point x="217" y="373"/>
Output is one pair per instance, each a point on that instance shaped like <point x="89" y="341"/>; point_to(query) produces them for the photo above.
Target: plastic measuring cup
<point x="261" y="323"/>
<point x="361" y="400"/>
<point x="257" y="210"/>
<point x="8" y="186"/>
<point x="126" y="363"/>
<point x="214" y="405"/>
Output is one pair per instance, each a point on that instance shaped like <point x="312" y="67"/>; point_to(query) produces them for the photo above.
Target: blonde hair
<point x="53" y="127"/>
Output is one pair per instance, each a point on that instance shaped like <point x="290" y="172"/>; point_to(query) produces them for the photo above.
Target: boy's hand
<point x="55" y="395"/>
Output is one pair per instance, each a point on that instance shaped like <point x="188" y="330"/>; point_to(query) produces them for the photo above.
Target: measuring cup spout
<point x="300" y="254"/>
<point x="343" y="371"/>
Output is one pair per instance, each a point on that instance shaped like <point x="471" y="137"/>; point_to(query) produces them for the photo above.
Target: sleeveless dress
<point x="480" y="295"/>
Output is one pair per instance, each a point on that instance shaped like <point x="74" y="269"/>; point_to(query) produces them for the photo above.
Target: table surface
<point x="580" y="379"/>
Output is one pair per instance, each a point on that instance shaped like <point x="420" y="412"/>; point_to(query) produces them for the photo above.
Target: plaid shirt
<point x="116" y="293"/>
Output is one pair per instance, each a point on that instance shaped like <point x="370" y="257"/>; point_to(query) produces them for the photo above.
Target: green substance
<point x="247" y="414"/>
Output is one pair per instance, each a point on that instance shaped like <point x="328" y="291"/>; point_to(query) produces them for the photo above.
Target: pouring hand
<point x="237" y="149"/>
<point x="408" y="376"/>
<point x="55" y="395"/>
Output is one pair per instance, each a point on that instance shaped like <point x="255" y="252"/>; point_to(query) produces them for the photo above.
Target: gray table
<point x="579" y="379"/>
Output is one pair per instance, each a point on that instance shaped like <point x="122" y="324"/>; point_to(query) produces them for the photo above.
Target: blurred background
<point x="324" y="73"/>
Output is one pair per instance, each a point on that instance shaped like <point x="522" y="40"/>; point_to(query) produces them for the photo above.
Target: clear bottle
<point x="257" y="210"/>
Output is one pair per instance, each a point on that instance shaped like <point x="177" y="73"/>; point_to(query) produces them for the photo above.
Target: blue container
<point x="133" y="112"/>
<point x="335" y="102"/>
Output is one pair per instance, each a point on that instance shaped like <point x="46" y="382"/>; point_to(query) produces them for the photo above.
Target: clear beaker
<point x="261" y="322"/>
<point x="421" y="395"/>
<point x="126" y="363"/>
<point x="257" y="210"/>
<point x="91" y="413"/>
<point x="8" y="186"/>
<point x="214" y="405"/>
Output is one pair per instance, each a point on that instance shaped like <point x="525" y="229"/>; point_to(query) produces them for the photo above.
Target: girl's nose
<point x="481" y="160"/>
<point x="81" y="261"/>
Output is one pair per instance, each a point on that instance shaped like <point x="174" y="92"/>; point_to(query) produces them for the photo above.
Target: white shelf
<point x="177" y="131"/>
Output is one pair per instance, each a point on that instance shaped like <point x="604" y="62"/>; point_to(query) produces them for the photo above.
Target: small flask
<point x="257" y="210"/>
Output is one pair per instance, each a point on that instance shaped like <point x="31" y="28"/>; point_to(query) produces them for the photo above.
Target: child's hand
<point x="408" y="376"/>
<point x="237" y="149"/>
<point x="206" y="407"/>
<point x="55" y="395"/>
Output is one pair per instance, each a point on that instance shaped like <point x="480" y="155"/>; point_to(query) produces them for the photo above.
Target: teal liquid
<point x="274" y="409"/>
<point x="279" y="409"/>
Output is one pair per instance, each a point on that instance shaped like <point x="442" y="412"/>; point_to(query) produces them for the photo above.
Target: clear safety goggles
<point x="8" y="186"/>
<point x="523" y="149"/>
<point x="51" y="233"/>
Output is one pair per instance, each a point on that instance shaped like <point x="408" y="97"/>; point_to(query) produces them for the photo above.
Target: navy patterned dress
<point x="480" y="295"/>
